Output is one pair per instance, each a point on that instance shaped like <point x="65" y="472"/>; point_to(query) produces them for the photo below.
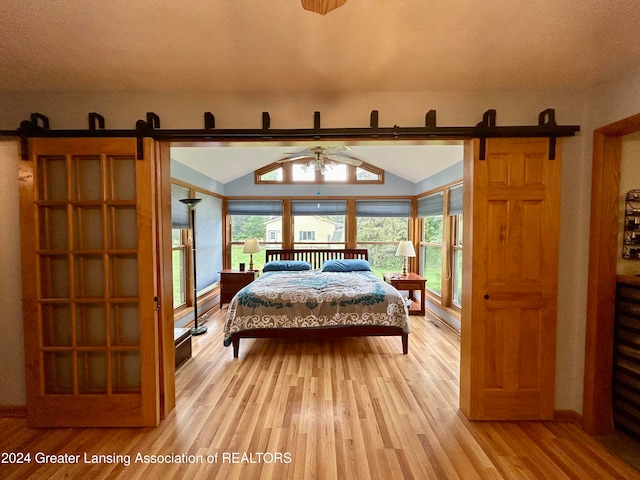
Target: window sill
<point x="181" y="313"/>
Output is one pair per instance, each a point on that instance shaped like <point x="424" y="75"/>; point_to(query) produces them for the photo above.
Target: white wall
<point x="404" y="109"/>
<point x="12" y="383"/>
<point x="609" y="102"/>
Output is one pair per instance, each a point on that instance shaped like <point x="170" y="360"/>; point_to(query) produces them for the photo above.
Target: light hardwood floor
<point x="341" y="409"/>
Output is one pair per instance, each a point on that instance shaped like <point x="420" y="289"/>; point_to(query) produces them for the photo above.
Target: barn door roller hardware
<point x="38" y="126"/>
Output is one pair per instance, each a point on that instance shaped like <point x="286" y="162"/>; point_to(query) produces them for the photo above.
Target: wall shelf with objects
<point x="631" y="236"/>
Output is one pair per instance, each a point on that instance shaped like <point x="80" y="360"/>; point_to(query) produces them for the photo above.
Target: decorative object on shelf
<point x="631" y="236"/>
<point x="192" y="203"/>
<point x="251" y="246"/>
<point x="322" y="6"/>
<point x="405" y="250"/>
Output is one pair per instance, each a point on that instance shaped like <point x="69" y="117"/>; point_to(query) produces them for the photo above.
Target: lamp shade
<point x="251" y="245"/>
<point x="405" y="249"/>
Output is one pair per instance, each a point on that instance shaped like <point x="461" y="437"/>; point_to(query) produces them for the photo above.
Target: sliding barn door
<point x="509" y="305"/>
<point x="89" y="283"/>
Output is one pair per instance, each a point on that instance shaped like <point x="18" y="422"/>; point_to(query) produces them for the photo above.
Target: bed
<point x="316" y="293"/>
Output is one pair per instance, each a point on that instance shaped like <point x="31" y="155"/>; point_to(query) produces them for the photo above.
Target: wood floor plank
<point x="320" y="409"/>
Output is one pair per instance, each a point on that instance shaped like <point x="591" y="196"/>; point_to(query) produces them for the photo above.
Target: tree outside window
<point x="432" y="252"/>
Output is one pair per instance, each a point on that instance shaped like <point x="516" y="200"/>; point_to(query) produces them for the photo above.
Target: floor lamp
<point x="191" y="203"/>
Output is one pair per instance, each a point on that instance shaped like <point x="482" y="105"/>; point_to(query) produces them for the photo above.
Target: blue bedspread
<point x="314" y="299"/>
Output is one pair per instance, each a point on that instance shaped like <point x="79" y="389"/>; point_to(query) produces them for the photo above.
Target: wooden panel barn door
<point x="88" y="269"/>
<point x="509" y="307"/>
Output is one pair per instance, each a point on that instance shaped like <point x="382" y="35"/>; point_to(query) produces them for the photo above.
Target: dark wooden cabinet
<point x="411" y="281"/>
<point x="232" y="281"/>
<point x="626" y="361"/>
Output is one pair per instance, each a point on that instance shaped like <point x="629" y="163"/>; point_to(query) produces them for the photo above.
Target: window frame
<point x="287" y="175"/>
<point x="451" y="243"/>
<point x="212" y="290"/>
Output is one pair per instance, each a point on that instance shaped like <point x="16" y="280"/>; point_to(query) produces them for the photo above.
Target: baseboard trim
<point x="13" y="411"/>
<point x="567" y="416"/>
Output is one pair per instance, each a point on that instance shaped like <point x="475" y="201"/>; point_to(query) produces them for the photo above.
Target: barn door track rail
<point x="38" y="126"/>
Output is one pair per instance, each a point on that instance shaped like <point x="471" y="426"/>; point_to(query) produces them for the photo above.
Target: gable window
<point x="337" y="173"/>
<point x="298" y="172"/>
<point x="301" y="174"/>
<point x="366" y="175"/>
<point x="274" y="175"/>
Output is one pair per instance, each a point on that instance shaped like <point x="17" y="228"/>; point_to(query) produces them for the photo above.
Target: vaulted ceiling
<point x="249" y="46"/>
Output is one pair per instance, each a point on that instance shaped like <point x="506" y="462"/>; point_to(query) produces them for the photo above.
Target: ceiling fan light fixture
<point x="322" y="6"/>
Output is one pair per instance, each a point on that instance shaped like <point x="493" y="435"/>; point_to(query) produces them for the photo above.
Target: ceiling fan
<point x="322" y="158"/>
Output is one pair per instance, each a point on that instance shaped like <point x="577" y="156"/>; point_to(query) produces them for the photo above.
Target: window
<point x="336" y="173"/>
<point x="365" y="175"/>
<point x="307" y="235"/>
<point x="441" y="244"/>
<point x="294" y="172"/>
<point x="381" y="224"/>
<point x="208" y="242"/>
<point x="301" y="174"/>
<point x="179" y="227"/>
<point x="455" y="214"/>
<point x="456" y="292"/>
<point x="179" y="258"/>
<point x="208" y="230"/>
<point x="261" y="219"/>
<point x="274" y="175"/>
<point x="430" y="209"/>
<point x="318" y="224"/>
<point x="432" y="253"/>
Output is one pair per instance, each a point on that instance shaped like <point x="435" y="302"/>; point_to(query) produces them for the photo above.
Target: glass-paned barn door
<point x="88" y="283"/>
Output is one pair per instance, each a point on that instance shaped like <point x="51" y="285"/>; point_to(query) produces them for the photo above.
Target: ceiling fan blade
<point x="344" y="159"/>
<point x="294" y="157"/>
<point x="338" y="149"/>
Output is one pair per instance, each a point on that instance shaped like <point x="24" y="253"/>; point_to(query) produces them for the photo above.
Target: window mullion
<point x="447" y="261"/>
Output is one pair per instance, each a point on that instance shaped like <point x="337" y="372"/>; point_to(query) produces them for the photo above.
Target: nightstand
<point x="411" y="282"/>
<point x="232" y="281"/>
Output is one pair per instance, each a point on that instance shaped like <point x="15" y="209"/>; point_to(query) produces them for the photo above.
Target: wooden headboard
<point x="316" y="257"/>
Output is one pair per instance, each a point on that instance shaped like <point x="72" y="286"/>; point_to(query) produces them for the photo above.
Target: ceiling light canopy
<point x="322" y="6"/>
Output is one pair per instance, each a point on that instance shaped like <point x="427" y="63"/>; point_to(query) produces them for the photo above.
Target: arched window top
<point x="294" y="172"/>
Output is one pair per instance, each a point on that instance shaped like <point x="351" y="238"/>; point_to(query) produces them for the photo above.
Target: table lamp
<point x="251" y="246"/>
<point x="405" y="250"/>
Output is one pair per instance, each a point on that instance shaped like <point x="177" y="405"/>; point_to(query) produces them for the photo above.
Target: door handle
<point x="486" y="296"/>
<point x="156" y="302"/>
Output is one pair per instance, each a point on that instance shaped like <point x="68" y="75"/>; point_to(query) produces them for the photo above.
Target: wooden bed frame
<point x="316" y="258"/>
